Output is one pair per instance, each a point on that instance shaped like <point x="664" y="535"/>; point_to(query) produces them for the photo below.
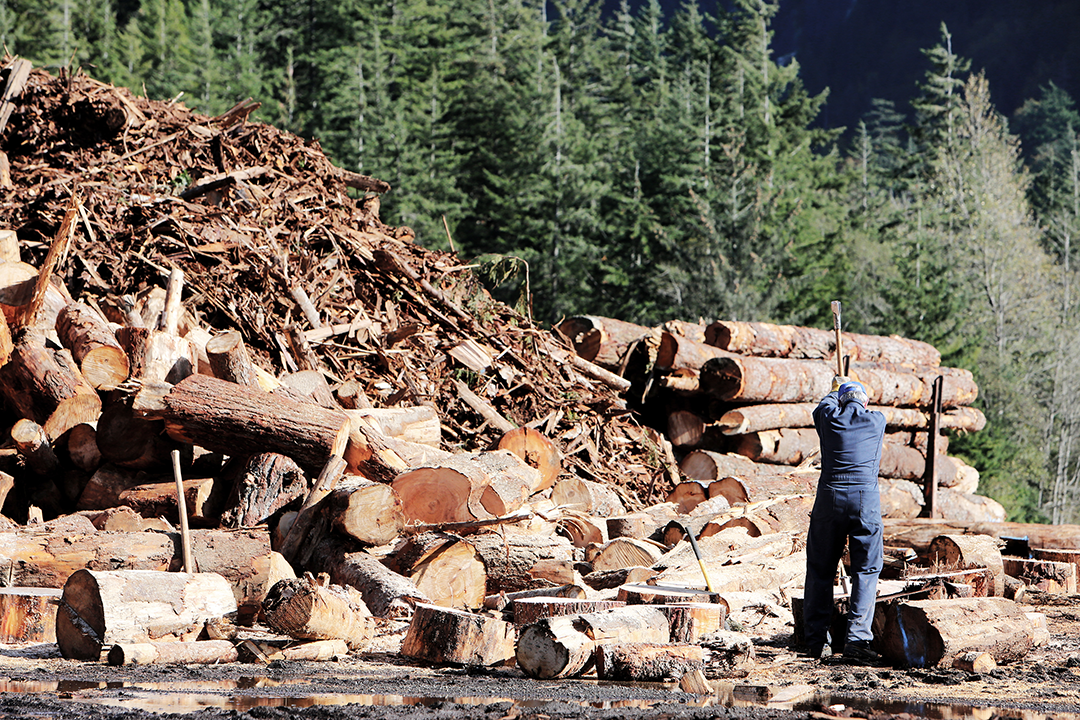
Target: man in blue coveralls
<point x="847" y="507"/>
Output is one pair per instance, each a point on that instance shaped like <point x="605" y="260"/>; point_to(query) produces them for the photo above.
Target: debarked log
<point x="234" y="419"/>
<point x="925" y="633"/>
<point x="750" y="379"/>
<point x="197" y="652"/>
<point x="773" y="416"/>
<point x="768" y="340"/>
<point x="442" y="635"/>
<point x="101" y="608"/>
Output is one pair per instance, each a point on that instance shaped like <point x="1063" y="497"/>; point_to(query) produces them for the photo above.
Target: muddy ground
<point x="37" y="683"/>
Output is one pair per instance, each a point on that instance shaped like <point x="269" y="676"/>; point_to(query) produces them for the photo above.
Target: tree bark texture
<point x="93" y="344"/>
<point x="600" y="340"/>
<point x="306" y="610"/>
<point x="773" y="416"/>
<point x="443" y="635"/>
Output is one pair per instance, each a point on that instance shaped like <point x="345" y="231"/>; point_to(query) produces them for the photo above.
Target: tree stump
<point x="443" y="635"/>
<point x="962" y="552"/>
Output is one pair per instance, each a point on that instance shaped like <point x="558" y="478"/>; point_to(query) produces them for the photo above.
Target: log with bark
<point x="515" y="560"/>
<point x="203" y="500"/>
<point x="386" y="594"/>
<point x="529" y="610"/>
<point x="307" y="609"/>
<point x="101" y="608"/>
<point x="443" y="635"/>
<point x="447" y="569"/>
<point x="93" y="344"/>
<point x="773" y="416"/>
<point x="369" y="512"/>
<point x="28" y="615"/>
<point x="503" y="600"/>
<point x="262" y="484"/>
<point x="645" y="662"/>
<point x="600" y="340"/>
<point x="229" y="359"/>
<point x="961" y="552"/>
<point x="1045" y="575"/>
<point x="234" y="419"/>
<point x="157" y="356"/>
<point x="588" y="497"/>
<point x="918" y="533"/>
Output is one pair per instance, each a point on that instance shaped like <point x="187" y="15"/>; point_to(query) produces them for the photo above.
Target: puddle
<point x="935" y="711"/>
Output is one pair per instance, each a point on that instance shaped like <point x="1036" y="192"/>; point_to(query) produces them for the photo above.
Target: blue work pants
<point x="842" y="512"/>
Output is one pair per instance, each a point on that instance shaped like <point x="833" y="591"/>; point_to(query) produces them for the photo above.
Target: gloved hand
<point x="839" y="380"/>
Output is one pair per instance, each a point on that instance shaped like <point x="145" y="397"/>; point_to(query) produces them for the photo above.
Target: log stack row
<point x="749" y="389"/>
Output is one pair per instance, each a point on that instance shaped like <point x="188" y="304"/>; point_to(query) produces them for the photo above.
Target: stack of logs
<point x="736" y="401"/>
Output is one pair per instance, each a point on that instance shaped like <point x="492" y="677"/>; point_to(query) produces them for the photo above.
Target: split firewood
<point x="197" y="652"/>
<point x="530" y="610"/>
<point x="646" y="662"/>
<point x="925" y="633"/>
<point x="968" y="551"/>
<point x="1015" y="589"/>
<point x="28" y="615"/>
<point x="156" y="356"/>
<point x="523" y="561"/>
<point x="46" y="386"/>
<point x="387" y="594"/>
<point x="749" y="379"/>
<point x="233" y="419"/>
<point x="564" y="646"/>
<point x="583" y="530"/>
<point x="418" y="424"/>
<point x="203" y="500"/>
<point x="309" y="610"/>
<point x="263" y="484"/>
<point x="625" y="552"/>
<point x="502" y="600"/>
<point x="767" y="340"/>
<point x="366" y="511"/>
<point x="691" y="621"/>
<point x="444" y="635"/>
<point x="537" y="451"/>
<point x="588" y="497"/>
<point x="696" y="683"/>
<point x="464" y="487"/>
<point x="373" y="455"/>
<point x="93" y="344"/>
<point x="773" y="416"/>
<point x="17" y="283"/>
<point x="446" y="568"/>
<point x="604" y="341"/>
<point x="99" y="609"/>
<point x="608" y="579"/>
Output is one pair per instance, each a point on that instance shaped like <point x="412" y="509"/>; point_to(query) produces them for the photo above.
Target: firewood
<point x="17" y="282"/>
<point x="582" y="529"/>
<point x="373" y="455"/>
<point x="1046" y="575"/>
<point x="28" y="615"/>
<point x="925" y="633"/>
<point x="603" y="341"/>
<point x="104" y="487"/>
<point x="82" y="447"/>
<point x="607" y="579"/>
<point x="263" y="484"/>
<point x="767" y="340"/>
<point x="684" y="428"/>
<point x="366" y="511"/>
<point x="976" y="662"/>
<point x="537" y="451"/>
<point x="646" y="662"/>
<point x="156" y="356"/>
<point x="444" y="635"/>
<point x="203" y="499"/>
<point x="749" y="379"/>
<point x="129" y="441"/>
<point x="588" y="497"/>
<point x="645" y="594"/>
<point x="93" y="344"/>
<point x="523" y="561"/>
<point x="445" y="568"/>
<point x="466" y="486"/>
<point x="33" y="444"/>
<point x="967" y="551"/>
<point x="503" y="600"/>
<point x="386" y="593"/>
<point x="775" y="566"/>
<point x="690" y="621"/>
<point x="308" y="610"/>
<point x="46" y="386"/>
<point x="418" y="424"/>
<point x="625" y="552"/>
<point x="230" y="360"/>
<point x="1015" y="589"/>
<point x="101" y="608"/>
<point x="754" y="418"/>
<point x="235" y="419"/>
<point x="696" y="683"/>
<point x="196" y="652"/>
<point x="530" y="610"/>
<point x="563" y="646"/>
<point x="731" y="654"/>
<point x="309" y="386"/>
<point x="300" y="528"/>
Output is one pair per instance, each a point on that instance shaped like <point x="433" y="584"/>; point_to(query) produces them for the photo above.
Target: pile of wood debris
<point x="204" y="326"/>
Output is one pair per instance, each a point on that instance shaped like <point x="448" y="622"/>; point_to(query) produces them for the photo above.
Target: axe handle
<point x="839" y="346"/>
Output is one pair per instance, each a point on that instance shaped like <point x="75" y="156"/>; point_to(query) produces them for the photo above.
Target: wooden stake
<point x="181" y="504"/>
<point x="931" y="477"/>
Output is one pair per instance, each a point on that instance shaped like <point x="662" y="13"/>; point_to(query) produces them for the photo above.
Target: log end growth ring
<point x="434" y="495"/>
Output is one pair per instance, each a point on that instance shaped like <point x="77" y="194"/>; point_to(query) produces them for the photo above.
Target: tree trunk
<point x="925" y="633"/>
<point x="645" y="662"/>
<point x="465" y="487"/>
<point x="604" y="341"/>
<point x="1046" y="575"/>
<point x="366" y="511"/>
<point x="530" y="610"/>
<point x="684" y="428"/>
<point x="609" y="579"/>
<point x="638" y="594"/>
<point x="264" y="483"/>
<point x="386" y="593"/>
<point x="17" y="282"/>
<point x="441" y="635"/>
<point x="101" y="608"/>
<point x="373" y="455"/>
<point x="900" y="499"/>
<point x="748" y="379"/>
<point x="685" y="356"/>
<point x="82" y="447"/>
<point x="961" y="552"/>
<point x="918" y="533"/>
<point x="588" y="497"/>
<point x="524" y="561"/>
<point x="199" y="652"/>
<point x="233" y="419"/>
<point x="306" y="610"/>
<point x="92" y="343"/>
<point x="965" y="508"/>
<point x="773" y="416"/>
<point x="33" y="444"/>
<point x="445" y="568"/>
<point x="690" y="621"/>
<point x="536" y="451"/>
<point x="767" y="340"/>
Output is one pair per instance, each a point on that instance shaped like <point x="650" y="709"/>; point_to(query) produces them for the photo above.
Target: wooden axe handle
<point x="839" y="347"/>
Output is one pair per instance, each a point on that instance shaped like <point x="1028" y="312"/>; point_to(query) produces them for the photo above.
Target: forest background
<point x="652" y="162"/>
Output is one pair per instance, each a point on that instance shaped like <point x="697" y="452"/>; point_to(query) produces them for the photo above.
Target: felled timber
<point x="366" y="511"/>
<point x="129" y="441"/>
<point x="443" y="635"/>
<point x="533" y="609"/>
<point x="789" y="341"/>
<point x="504" y="600"/>
<point x="788" y="513"/>
<point x="600" y="340"/>
<point x="588" y="497"/>
<point x="773" y="416"/>
<point x="563" y="646"/>
<point x="750" y="379"/>
<point x="775" y="564"/>
<point x="1056" y="555"/>
<point x="524" y="561"/>
<point x="608" y="579"/>
<point x="1045" y="575"/>
<point x="900" y="499"/>
<point x="234" y="419"/>
<point x="101" y="608"/>
<point x="203" y="500"/>
<point x="659" y="594"/>
<point x="18" y="281"/>
<point x="677" y="353"/>
<point x="740" y="480"/>
<point x="262" y="484"/>
<point x="537" y="451"/>
<point x="28" y="615"/>
<point x="962" y="507"/>
<point x="373" y="455"/>
<point x="417" y="424"/>
<point x="625" y="552"/>
<point x="307" y="609"/>
<point x="33" y="444"/>
<point x="82" y="448"/>
<point x="691" y="621"/>
<point x="926" y="633"/>
<point x="647" y="661"/>
<point x="786" y="446"/>
<point x="158" y="356"/>
<point x="447" y="569"/>
<point x="196" y="652"/>
<point x="229" y="359"/>
<point x="102" y="361"/>
<point x="918" y="533"/>
<point x="386" y="594"/>
<point x="685" y="428"/>
<point x="971" y="551"/>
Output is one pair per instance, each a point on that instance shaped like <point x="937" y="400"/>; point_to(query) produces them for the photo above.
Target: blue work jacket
<point x="851" y="438"/>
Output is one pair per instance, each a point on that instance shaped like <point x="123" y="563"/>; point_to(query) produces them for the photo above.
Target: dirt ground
<point x="36" y="682"/>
